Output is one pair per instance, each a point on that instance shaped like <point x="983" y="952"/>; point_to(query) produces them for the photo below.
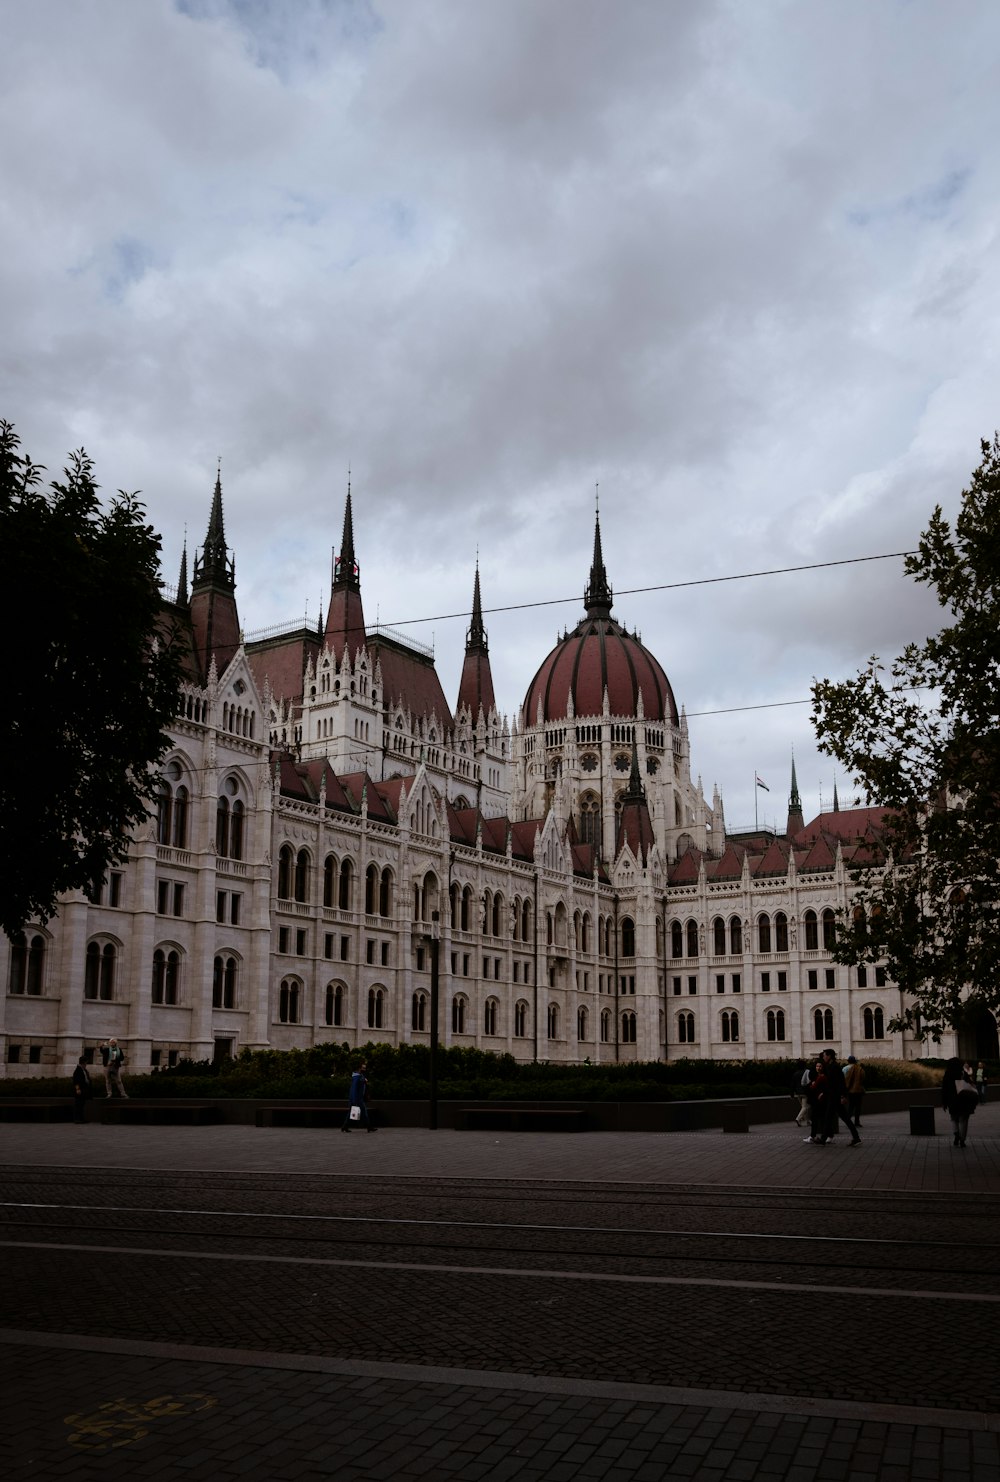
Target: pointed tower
<point x="836" y="800"/>
<point x="345" y="621"/>
<point x="597" y="596"/>
<point x="182" y="579"/>
<point x="795" y="820"/>
<point x="214" y="619"/>
<point x="635" y="827"/>
<point x="476" y="689"/>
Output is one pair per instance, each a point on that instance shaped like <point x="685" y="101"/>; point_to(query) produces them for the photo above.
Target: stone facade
<point x="324" y="818"/>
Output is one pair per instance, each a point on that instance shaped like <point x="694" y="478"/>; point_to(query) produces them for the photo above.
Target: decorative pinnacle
<point x="597" y="596"/>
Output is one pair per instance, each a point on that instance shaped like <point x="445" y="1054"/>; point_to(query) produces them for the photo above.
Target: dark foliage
<point x="90" y="682"/>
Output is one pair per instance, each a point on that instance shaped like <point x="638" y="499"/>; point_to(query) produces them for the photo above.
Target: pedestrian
<point x="799" y="1091"/>
<point x="835" y="1100"/>
<point x="82" y="1090"/>
<point x="959" y="1098"/>
<point x="357" y="1101"/>
<point x="981" y="1081"/>
<point x="814" y="1094"/>
<point x="112" y="1059"/>
<point x="854" y="1078"/>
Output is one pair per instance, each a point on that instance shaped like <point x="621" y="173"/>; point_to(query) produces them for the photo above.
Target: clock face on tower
<point x="589" y="762"/>
<point x="623" y="761"/>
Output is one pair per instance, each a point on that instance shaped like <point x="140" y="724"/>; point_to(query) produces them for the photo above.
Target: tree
<point x="923" y="739"/>
<point x="91" y="680"/>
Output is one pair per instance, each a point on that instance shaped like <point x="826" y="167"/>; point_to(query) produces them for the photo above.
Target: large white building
<point x="324" y="814"/>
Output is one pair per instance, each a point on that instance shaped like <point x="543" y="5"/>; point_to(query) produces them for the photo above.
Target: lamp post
<point x="435" y="945"/>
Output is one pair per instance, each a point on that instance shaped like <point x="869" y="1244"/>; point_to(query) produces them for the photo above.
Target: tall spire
<point x="215" y="568"/>
<point x="214" y="618"/>
<point x="475" y="638"/>
<point x="597" y="595"/>
<point x="796" y="822"/>
<point x="182" y="579"/>
<point x="345" y="619"/>
<point x="475" y="691"/>
<point x="346" y="572"/>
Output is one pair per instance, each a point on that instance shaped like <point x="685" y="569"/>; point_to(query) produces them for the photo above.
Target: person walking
<point x="835" y="1100"/>
<point x="357" y="1100"/>
<point x="959" y="1098"/>
<point x="854" y="1078"/>
<point x="799" y="1090"/>
<point x="113" y="1058"/>
<point x="82" y="1091"/>
<point x="981" y="1081"/>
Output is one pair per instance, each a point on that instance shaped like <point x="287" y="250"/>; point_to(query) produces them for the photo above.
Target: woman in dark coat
<point x="958" y="1098"/>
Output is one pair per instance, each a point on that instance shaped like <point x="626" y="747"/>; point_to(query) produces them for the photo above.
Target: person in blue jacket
<point x="358" y="1096"/>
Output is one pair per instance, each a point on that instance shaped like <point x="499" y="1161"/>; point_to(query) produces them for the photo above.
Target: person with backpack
<point x="854" y="1078"/>
<point x="357" y="1102"/>
<point x="799" y="1091"/>
<point x="959" y="1098"/>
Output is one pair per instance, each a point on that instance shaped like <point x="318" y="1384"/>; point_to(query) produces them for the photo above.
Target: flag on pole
<point x="760" y="783"/>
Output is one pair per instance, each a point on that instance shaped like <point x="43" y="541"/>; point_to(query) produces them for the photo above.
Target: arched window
<point x="780" y="932"/>
<point x="605" y="1026"/>
<point x="764" y="934"/>
<point x="823" y="1023"/>
<point x="455" y="895"/>
<point x="628" y="1029"/>
<point x="735" y="936"/>
<point x="178" y="834"/>
<point x="286" y="870"/>
<point x="302" y="875"/>
<point x="166" y="970"/>
<point x="585" y="932"/>
<point x="385" y="893"/>
<point x="99" y="971"/>
<point x="692" y="939"/>
<point x="334" y="1014"/>
<point x="676" y="939"/>
<point x="487" y="912"/>
<point x="685" y="1029"/>
<point x="27" y="964"/>
<point x="775" y="1024"/>
<point x="466" y="907"/>
<point x="730" y="1026"/>
<point x="346" y="885"/>
<point x="418" y="1013"/>
<point x="376" y="1008"/>
<point x="520" y="1019"/>
<point x="224" y="970"/>
<point x="490" y="1009"/>
<point x="371" y="889"/>
<point x="874" y="1022"/>
<point x="719" y="937"/>
<point x="497" y="922"/>
<point x="552" y="1021"/>
<point x="590" y="819"/>
<point x="628" y="936"/>
<point x="330" y="880"/>
<point x="812" y="931"/>
<point x="458" y="1014"/>
<point x="581" y="1024"/>
<point x="829" y="930"/>
<point x="288" y="1001"/>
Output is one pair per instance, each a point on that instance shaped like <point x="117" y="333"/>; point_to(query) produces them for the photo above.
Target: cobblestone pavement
<point x="196" y="1303"/>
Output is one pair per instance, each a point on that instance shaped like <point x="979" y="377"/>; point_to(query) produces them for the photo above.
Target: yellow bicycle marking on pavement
<point x="120" y="1422"/>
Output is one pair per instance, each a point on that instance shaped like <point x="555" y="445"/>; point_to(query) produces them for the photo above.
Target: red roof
<point x="600" y="654"/>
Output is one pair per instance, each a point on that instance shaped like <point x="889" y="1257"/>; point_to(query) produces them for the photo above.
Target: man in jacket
<point x="835" y="1100"/>
<point x="357" y="1096"/>
<point x="81" y="1091"/>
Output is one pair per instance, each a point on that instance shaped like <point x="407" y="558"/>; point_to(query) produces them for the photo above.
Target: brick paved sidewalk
<point x="770" y="1156"/>
<point x="78" y="1408"/>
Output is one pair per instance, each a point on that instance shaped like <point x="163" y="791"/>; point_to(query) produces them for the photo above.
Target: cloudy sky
<point x="737" y="264"/>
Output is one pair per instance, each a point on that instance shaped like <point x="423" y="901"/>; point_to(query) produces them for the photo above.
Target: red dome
<point x="600" y="654"/>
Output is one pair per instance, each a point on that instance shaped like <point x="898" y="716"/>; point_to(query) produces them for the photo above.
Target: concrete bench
<point x="133" y="1112"/>
<point x="306" y="1114"/>
<point x="522" y="1119"/>
<point x="37" y="1111"/>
